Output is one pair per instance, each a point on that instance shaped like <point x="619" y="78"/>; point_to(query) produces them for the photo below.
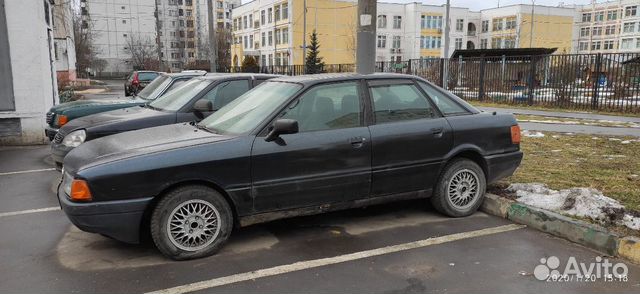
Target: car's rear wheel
<point x="460" y="189"/>
<point x="191" y="222"/>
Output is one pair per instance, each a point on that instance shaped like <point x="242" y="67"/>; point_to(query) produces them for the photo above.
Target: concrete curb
<point x="589" y="235"/>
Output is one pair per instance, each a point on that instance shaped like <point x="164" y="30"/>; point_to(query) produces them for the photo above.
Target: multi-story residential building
<point x="179" y="28"/>
<point x="607" y="27"/>
<point x="183" y="29"/>
<point x="272" y="30"/>
<point x="404" y="30"/>
<point x="63" y="44"/>
<point x="112" y="24"/>
<point x="510" y="27"/>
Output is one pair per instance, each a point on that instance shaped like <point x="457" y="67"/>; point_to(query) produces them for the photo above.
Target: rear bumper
<point x="120" y="219"/>
<point x="502" y="165"/>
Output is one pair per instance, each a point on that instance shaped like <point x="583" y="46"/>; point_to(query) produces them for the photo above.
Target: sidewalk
<point x="578" y="115"/>
<point x="568" y="128"/>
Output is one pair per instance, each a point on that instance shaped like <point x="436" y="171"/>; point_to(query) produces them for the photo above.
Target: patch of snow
<point x="625" y="142"/>
<point x="614" y="139"/>
<point x="530" y="134"/>
<point x="595" y="138"/>
<point x="580" y="202"/>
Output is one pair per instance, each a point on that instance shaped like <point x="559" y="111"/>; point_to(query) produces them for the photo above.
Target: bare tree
<point x="142" y="52"/>
<point x="223" y="40"/>
<point x="351" y="38"/>
<point x="86" y="53"/>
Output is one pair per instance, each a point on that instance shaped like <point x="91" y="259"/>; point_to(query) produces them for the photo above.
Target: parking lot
<point x="399" y="248"/>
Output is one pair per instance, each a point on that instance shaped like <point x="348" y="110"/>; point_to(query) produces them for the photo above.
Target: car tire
<point x="460" y="189"/>
<point x="191" y="222"/>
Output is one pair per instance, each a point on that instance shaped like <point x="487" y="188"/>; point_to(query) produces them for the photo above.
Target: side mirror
<point x="202" y="105"/>
<point x="282" y="127"/>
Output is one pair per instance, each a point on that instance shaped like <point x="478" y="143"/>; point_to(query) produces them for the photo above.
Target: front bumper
<point x="58" y="152"/>
<point x="50" y="132"/>
<point x="502" y="165"/>
<point x="120" y="219"/>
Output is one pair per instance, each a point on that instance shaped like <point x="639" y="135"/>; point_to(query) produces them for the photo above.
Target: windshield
<point x="153" y="90"/>
<point x="180" y="96"/>
<point x="249" y="110"/>
<point x="147" y="76"/>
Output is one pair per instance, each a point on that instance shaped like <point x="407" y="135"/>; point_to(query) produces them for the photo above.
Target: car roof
<point x="222" y="76"/>
<point x="333" y="77"/>
<point x="185" y="74"/>
<point x="149" y="71"/>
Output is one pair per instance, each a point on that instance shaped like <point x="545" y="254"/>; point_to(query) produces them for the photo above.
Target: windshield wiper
<point x="203" y="127"/>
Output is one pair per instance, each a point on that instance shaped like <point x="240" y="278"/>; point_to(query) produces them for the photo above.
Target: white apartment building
<point x="112" y="23"/>
<point x="608" y="27"/>
<point x="63" y="43"/>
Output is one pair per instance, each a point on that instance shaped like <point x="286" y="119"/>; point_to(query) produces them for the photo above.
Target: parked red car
<point x="137" y="80"/>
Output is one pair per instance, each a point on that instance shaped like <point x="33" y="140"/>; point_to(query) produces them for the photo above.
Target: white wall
<point x="33" y="75"/>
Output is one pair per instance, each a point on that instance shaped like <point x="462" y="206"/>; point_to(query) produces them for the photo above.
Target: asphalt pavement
<point x="113" y="89"/>
<point x="404" y="247"/>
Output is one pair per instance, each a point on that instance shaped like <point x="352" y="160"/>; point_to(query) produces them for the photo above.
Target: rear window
<point x="147" y="76"/>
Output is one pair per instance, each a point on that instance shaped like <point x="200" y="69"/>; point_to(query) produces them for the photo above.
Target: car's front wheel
<point x="191" y="222"/>
<point x="460" y="189"/>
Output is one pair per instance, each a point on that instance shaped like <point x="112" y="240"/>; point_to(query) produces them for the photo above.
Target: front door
<point x="219" y="95"/>
<point x="327" y="161"/>
<point x="410" y="139"/>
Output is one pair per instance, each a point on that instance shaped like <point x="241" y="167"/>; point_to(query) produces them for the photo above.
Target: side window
<point x="176" y="84"/>
<point x="446" y="105"/>
<point x="226" y="92"/>
<point x="258" y="82"/>
<point x="399" y="102"/>
<point x="325" y="107"/>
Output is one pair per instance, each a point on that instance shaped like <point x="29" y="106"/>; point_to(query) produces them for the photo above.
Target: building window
<point x="264" y="39"/>
<point x="595" y="45"/>
<point x="584" y="32"/>
<point x="583" y="46"/>
<point x="278" y="41"/>
<point x="124" y="21"/>
<point x="431" y="22"/>
<point x="599" y="16"/>
<point x="382" y="21"/>
<point x="262" y="17"/>
<point x="382" y="41"/>
<point x="612" y="15"/>
<point x="250" y="41"/>
<point x="429" y="42"/>
<point x="277" y="12"/>
<point x="496" y="43"/>
<point x="497" y="24"/>
<point x="246" y="42"/>
<point x="245" y="22"/>
<point x="397" y="22"/>
<point x="250" y="20"/>
<point x="285" y="10"/>
<point x="270" y="15"/>
<point x="509" y="43"/>
<point x="586" y="17"/>
<point x="608" y="45"/>
<point x="270" y="38"/>
<point x="459" y="25"/>
<point x="511" y="23"/>
<point x="597" y="31"/>
<point x="483" y="43"/>
<point x="458" y="43"/>
<point x="485" y="26"/>
<point x="285" y="36"/>
<point x="396" y="42"/>
<point x="629" y="27"/>
<point x="630" y="11"/>
<point x="626" y="44"/>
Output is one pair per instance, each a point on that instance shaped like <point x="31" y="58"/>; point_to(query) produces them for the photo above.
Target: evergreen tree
<point x="313" y="61"/>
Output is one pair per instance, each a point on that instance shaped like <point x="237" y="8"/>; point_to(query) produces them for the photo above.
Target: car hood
<point x="111" y="117"/>
<point x="135" y="143"/>
<point x="79" y="104"/>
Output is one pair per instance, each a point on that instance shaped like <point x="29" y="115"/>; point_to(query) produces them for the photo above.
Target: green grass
<point x="570" y="161"/>
<point x="550" y="108"/>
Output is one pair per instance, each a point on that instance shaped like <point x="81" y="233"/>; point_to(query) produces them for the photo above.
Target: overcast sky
<point x="482" y="4"/>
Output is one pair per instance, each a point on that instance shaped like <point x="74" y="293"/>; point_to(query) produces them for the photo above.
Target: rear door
<point x="409" y="137"/>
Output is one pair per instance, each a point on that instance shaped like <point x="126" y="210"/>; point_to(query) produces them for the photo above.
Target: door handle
<point x="357" y="142"/>
<point x="437" y="132"/>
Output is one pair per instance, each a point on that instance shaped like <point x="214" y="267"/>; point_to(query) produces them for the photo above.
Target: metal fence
<point x="609" y="82"/>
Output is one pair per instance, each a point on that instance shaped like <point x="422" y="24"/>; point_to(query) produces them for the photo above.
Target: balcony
<point x="471" y="33"/>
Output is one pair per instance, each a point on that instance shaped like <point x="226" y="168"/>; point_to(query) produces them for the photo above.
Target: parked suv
<point x="137" y="80"/>
<point x="61" y="114"/>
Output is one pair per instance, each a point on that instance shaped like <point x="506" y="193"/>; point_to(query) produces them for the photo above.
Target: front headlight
<point x="75" y="138"/>
<point x="67" y="179"/>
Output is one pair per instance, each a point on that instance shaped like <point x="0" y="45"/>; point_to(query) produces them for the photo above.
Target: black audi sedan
<point x="293" y="146"/>
<point x="191" y="101"/>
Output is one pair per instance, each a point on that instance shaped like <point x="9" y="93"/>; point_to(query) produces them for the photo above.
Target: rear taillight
<point x="515" y="134"/>
<point x="135" y="79"/>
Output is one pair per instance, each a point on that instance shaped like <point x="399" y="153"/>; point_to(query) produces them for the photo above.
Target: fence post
<point x="596" y="80"/>
<point x="481" y="79"/>
<point x="532" y="80"/>
<point x="442" y="73"/>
